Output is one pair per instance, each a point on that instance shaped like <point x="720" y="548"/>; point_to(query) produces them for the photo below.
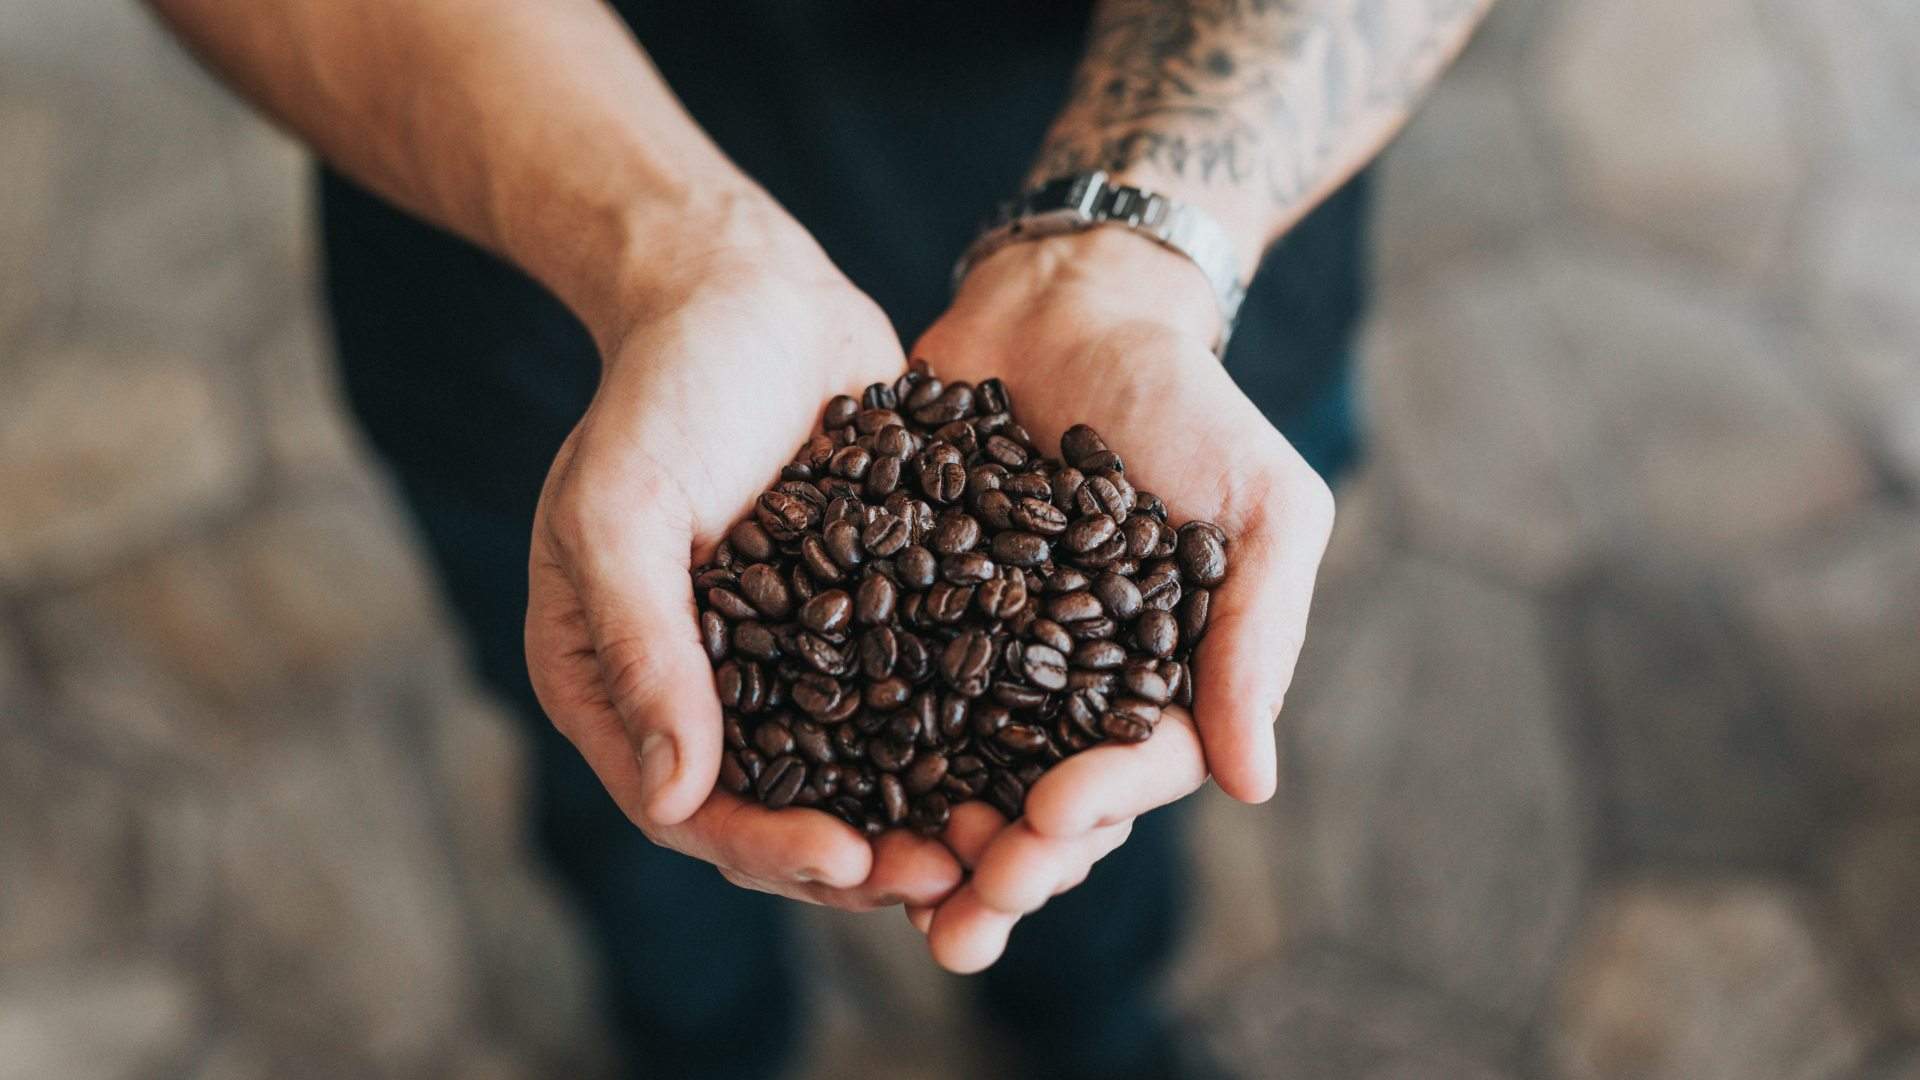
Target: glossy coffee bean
<point x="1202" y="554"/>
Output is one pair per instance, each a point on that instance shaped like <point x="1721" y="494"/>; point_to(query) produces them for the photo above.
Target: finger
<point x="1115" y="782"/>
<point x="792" y="848"/>
<point x="966" y="934"/>
<point x="970" y="828"/>
<point x="637" y="601"/>
<point x="909" y="869"/>
<point x="1258" y="620"/>
<point x="1022" y="869"/>
<point x="920" y="917"/>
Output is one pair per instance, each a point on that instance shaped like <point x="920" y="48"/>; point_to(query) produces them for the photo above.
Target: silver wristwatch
<point x="1081" y="201"/>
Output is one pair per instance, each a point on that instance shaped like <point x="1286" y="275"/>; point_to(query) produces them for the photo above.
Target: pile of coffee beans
<point x="926" y="609"/>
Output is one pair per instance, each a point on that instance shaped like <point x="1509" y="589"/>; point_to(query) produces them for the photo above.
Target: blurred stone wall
<point x="1604" y="759"/>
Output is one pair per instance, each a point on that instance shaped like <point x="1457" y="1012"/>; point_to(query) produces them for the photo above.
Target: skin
<point x="539" y="130"/>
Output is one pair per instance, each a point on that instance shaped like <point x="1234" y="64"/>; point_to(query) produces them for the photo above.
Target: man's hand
<point x="1107" y="329"/>
<point x="702" y="400"/>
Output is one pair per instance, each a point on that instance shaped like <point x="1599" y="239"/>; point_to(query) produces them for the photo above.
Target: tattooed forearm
<point x="1282" y="98"/>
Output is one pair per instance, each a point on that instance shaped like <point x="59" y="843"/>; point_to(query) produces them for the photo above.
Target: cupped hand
<point x="703" y="398"/>
<point x="1106" y="329"/>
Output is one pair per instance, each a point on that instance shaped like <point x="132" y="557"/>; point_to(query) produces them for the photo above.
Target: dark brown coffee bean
<point x="1079" y="443"/>
<point x="984" y="478"/>
<point x="817" y="695"/>
<point x="733" y="775"/>
<point x="887" y="694"/>
<point x="994" y="509"/>
<point x="873" y="601"/>
<point x="780" y="781"/>
<point x="954" y="533"/>
<point x="1051" y="634"/>
<point x="1143" y="681"/>
<point x="1001" y="596"/>
<point x="1160" y="590"/>
<point x="1038" y="516"/>
<point x="1099" y="629"/>
<point x="916" y="566"/>
<point x="1099" y="655"/>
<point x="1006" y="794"/>
<point x="1104" y="461"/>
<point x="883" y="477"/>
<point x="828" y="613"/>
<point x="966" y="568"/>
<point x="915" y="662"/>
<point x="730" y="604"/>
<point x="820" y="655"/>
<point x="851" y="463"/>
<point x="773" y="739"/>
<point x="879" y="651"/>
<point x="1084" y="708"/>
<point x="930" y="813"/>
<point x="813" y="742"/>
<point x="1021" y="738"/>
<point x="1044" y="666"/>
<point x="713" y="635"/>
<point x="762" y="586"/>
<point x="1193" y="611"/>
<point x="1020" y="549"/>
<point x="840" y="412"/>
<point x="1202" y="553"/>
<point x="1118" y="595"/>
<point x="783" y="516"/>
<point x="885" y="535"/>
<point x="965" y="664"/>
<point x="1005" y="451"/>
<point x="890" y="754"/>
<point x="1157" y="633"/>
<point x="925" y="774"/>
<point x="1089" y="532"/>
<point x="945" y="482"/>
<point x="1019" y="696"/>
<point x="880" y="396"/>
<point x="893" y="798"/>
<point x="1066" y="579"/>
<point x="750" y="540"/>
<point x="954" y="403"/>
<point x="755" y="640"/>
<point x="1073" y="607"/>
<point x="1143" y="535"/>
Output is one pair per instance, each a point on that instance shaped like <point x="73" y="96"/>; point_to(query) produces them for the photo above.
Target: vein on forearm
<point x="1282" y="98"/>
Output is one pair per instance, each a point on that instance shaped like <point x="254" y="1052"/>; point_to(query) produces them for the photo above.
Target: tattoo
<point x="1280" y="95"/>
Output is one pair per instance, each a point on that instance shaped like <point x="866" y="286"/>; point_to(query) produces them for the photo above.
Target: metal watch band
<point x="1082" y="200"/>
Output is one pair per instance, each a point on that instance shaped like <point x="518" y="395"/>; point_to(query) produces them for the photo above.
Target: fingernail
<point x="658" y="759"/>
<point x="808" y="876"/>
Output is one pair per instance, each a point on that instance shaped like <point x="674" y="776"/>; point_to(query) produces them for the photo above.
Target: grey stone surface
<point x="1472" y="352"/>
<point x="1700" y="981"/>
<point x="121" y="1021"/>
<point x="105" y="451"/>
<point x="1855" y="69"/>
<point x="1319" y="1015"/>
<point x="1838" y="621"/>
<point x="1706" y="442"/>
<point x="1681" y="133"/>
<point x="1697" y="760"/>
<point x="1874" y="874"/>
<point x="1432" y="812"/>
<point x="67" y="825"/>
<point x="31" y="133"/>
<point x="308" y="438"/>
<point x="1899" y="1063"/>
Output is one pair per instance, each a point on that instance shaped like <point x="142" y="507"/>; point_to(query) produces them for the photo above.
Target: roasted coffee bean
<point x="883" y="477"/>
<point x="1074" y="607"/>
<point x="1143" y="681"/>
<point x="1143" y="534"/>
<point x="750" y="540"/>
<point x="1193" y="611"/>
<point x="851" y="462"/>
<point x="819" y="655"/>
<point x="885" y="535"/>
<point x="828" y="613"/>
<point x="1006" y="794"/>
<point x="1118" y="594"/>
<point x="1020" y="549"/>
<point x="1027" y="486"/>
<point x="1044" y="666"/>
<point x="944" y="482"/>
<point x="1079" y="443"/>
<point x="955" y="402"/>
<point x="955" y="532"/>
<point x="915" y="663"/>
<point x="755" y="640"/>
<point x="873" y="602"/>
<point x="1098" y="655"/>
<point x="925" y="774"/>
<point x="930" y="813"/>
<point x="966" y="568"/>
<point x="813" y="742"/>
<point x="1157" y="633"/>
<point x="946" y="602"/>
<point x="1020" y="696"/>
<point x="1005" y="451"/>
<point x="887" y="694"/>
<point x="991" y="396"/>
<point x="1089" y="532"/>
<point x="1021" y="738"/>
<point x="816" y="695"/>
<point x="713" y="635"/>
<point x="1066" y="579"/>
<point x="819" y="567"/>
<point x="780" y="781"/>
<point x="1202" y="554"/>
<point x="841" y="410"/>
<point x="879" y="651"/>
<point x="730" y="604"/>
<point x="994" y="509"/>
<point x="1038" y="516"/>
<point x="1001" y="596"/>
<point x="916" y="566"/>
<point x="984" y="478"/>
<point x="965" y="664"/>
<point x="773" y="739"/>
<point x="783" y="516"/>
<point x="880" y="396"/>
<point x="1160" y="590"/>
<point x="1051" y="634"/>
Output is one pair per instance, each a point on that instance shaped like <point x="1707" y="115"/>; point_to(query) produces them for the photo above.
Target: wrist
<point x="1087" y="282"/>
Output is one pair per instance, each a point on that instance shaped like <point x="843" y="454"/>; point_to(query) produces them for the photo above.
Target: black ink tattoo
<point x="1274" y="94"/>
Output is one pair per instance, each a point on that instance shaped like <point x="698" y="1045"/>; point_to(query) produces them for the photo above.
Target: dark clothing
<point x="888" y="130"/>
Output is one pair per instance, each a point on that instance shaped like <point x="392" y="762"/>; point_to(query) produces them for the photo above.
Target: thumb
<point x="654" y="684"/>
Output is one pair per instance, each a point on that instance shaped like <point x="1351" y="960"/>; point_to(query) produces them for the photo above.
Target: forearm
<point x="1253" y="109"/>
<point x="536" y="128"/>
